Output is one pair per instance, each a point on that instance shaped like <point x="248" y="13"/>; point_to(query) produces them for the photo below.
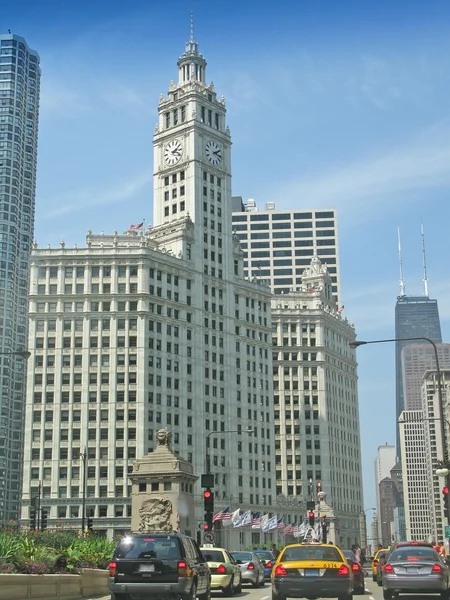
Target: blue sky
<point x="330" y="104"/>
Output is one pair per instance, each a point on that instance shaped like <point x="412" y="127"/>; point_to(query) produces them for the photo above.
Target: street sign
<point x="447" y="531"/>
<point x="208" y="536"/>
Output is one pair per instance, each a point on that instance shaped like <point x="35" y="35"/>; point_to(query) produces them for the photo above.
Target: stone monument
<point x="325" y="511"/>
<point x="162" y="492"/>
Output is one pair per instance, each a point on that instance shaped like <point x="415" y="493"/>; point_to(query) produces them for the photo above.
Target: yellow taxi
<point x="226" y="574"/>
<point x="375" y="561"/>
<point x="311" y="571"/>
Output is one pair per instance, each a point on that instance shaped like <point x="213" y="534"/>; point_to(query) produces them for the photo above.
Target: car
<point x="359" y="586"/>
<point x="252" y="568"/>
<point x="415" y="570"/>
<point x="375" y="562"/>
<point x="159" y="565"/>
<point x="311" y="571"/>
<point x="267" y="557"/>
<point x="413" y="543"/>
<point x="225" y="572"/>
<point x="382" y="558"/>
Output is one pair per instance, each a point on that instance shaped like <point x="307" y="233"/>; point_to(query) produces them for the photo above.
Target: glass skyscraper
<point x="415" y="316"/>
<point x="19" y="110"/>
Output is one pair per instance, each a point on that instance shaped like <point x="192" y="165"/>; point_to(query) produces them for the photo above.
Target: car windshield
<point x="242" y="555"/>
<point x="310" y="553"/>
<point x="148" y="547"/>
<point x="413" y="554"/>
<point x="213" y="555"/>
<point x="264" y="554"/>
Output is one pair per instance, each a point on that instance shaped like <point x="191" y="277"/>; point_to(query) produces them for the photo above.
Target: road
<point x="373" y="592"/>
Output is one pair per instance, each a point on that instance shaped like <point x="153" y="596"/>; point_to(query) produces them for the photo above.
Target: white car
<point x="252" y="567"/>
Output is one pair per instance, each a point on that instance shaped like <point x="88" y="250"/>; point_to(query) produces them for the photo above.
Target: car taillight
<point x="221" y="569"/>
<point x="280" y="571"/>
<point x="388" y="568"/>
<point x="356" y="567"/>
<point x="112" y="569"/>
<point x="436" y="569"/>
<point x="250" y="566"/>
<point x="375" y="562"/>
<point x="182" y="568"/>
<point x="269" y="564"/>
<point x="343" y="570"/>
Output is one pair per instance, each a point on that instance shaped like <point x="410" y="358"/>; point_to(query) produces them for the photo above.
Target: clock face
<point x="173" y="152"/>
<point x="213" y="152"/>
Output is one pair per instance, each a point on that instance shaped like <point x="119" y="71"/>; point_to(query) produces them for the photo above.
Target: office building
<point x="137" y="332"/>
<point x="416" y="360"/>
<point x="384" y="462"/>
<point x="19" y="115"/>
<point x="416" y="492"/>
<point x="317" y="436"/>
<point x="415" y="317"/>
<point x="388" y="502"/>
<point x="279" y="244"/>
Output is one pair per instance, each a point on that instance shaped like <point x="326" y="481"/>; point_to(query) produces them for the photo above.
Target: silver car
<point x="251" y="566"/>
<point x="417" y="570"/>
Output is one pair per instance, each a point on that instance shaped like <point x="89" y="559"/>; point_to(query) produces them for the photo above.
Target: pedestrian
<point x="435" y="546"/>
<point x="441" y="549"/>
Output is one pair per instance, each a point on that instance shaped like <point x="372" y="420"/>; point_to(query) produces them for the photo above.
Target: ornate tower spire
<point x="191" y="64"/>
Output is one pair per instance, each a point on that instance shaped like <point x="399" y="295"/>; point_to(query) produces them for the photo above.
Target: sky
<point x="330" y="104"/>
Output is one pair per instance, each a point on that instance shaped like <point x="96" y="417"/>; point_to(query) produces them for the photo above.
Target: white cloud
<point x="92" y="197"/>
<point x="422" y="162"/>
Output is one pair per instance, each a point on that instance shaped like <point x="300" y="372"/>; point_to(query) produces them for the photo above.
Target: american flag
<point x="256" y="520"/>
<point x="289" y="530"/>
<point x="340" y="309"/>
<point x="135" y="227"/>
<point x="280" y="523"/>
<point x="223" y="515"/>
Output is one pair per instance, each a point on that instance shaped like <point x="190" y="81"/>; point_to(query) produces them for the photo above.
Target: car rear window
<point x="148" y="547"/>
<point x="242" y="555"/>
<point x="213" y="555"/>
<point x="348" y="554"/>
<point x="265" y="555"/>
<point x="310" y="553"/>
<point x="413" y="554"/>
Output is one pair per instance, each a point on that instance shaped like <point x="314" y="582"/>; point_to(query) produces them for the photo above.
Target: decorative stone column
<point x="324" y="510"/>
<point x="162" y="492"/>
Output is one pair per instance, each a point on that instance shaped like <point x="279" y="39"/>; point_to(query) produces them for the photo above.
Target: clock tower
<point x="192" y="168"/>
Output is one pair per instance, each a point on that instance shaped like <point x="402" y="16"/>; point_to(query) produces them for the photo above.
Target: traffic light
<point x="199" y="537"/>
<point x="311" y="518"/>
<point x="208" y="503"/>
<point x="44" y="515"/>
<point x="445" y="491"/>
<point x="32" y="517"/>
<point x="90" y="523"/>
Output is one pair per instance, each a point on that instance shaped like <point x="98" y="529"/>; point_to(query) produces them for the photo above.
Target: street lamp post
<point x="249" y="430"/>
<point x="25" y="354"/>
<point x="83" y="457"/>
<point x="357" y="343"/>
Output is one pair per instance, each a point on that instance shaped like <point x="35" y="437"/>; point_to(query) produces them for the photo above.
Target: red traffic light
<point x="207" y="494"/>
<point x="310" y="514"/>
<point x="205" y="526"/>
<point x="445" y="491"/>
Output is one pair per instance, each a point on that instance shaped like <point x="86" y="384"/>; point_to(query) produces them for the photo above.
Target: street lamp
<point x="83" y="456"/>
<point x="249" y="430"/>
<point x="357" y="343"/>
<point x="25" y="354"/>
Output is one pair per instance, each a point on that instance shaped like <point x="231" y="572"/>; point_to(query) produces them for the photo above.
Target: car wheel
<point x="360" y="591"/>
<point x="345" y="597"/>
<point x="277" y="596"/>
<point x="262" y="583"/>
<point x="238" y="589"/>
<point x="119" y="596"/>
<point x="374" y="577"/>
<point x="379" y="582"/>
<point x="228" y="591"/>
<point x="192" y="594"/>
<point x="387" y="595"/>
<point x="255" y="584"/>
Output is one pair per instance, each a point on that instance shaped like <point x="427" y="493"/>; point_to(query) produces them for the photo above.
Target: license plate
<point x="146" y="568"/>
<point x="311" y="572"/>
<point x="412" y="570"/>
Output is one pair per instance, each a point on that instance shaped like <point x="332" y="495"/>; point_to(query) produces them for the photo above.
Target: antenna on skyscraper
<point x="400" y="262"/>
<point x="192" y="25"/>
<point x="424" y="259"/>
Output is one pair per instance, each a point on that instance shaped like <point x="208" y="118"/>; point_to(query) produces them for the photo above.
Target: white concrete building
<point x="279" y="244"/>
<point x="316" y="400"/>
<point x="136" y="332"/>
<point x="384" y="462"/>
<point x="416" y="359"/>
<point x="416" y="484"/>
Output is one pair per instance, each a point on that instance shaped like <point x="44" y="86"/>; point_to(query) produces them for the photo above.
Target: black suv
<point x="159" y="565"/>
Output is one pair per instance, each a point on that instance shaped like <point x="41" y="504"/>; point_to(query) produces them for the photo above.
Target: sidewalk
<point x="108" y="597"/>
